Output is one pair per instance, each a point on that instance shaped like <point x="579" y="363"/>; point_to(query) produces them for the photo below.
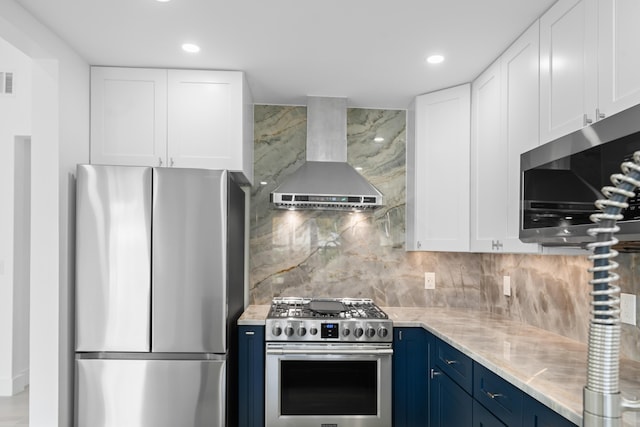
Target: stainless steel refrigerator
<point x="159" y="288"/>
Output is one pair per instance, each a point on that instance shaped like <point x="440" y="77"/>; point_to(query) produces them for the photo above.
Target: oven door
<point x="328" y="385"/>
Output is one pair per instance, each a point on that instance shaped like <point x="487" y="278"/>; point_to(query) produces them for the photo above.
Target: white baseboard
<point x="13" y="386"/>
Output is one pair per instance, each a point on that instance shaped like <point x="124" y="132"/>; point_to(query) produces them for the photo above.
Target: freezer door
<point x="113" y="258"/>
<point x="189" y="277"/>
<point x="150" y="393"/>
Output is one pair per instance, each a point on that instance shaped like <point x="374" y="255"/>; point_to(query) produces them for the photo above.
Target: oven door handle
<point x="375" y="352"/>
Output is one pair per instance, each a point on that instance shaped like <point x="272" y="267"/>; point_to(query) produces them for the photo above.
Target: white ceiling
<point x="370" y="51"/>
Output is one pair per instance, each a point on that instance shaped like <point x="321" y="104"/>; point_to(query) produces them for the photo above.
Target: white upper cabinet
<point x="520" y="125"/>
<point x="568" y="67"/>
<point x="589" y="66"/>
<point x="438" y="142"/>
<point x="128" y="116"/>
<point x="174" y="118"/>
<point x="618" y="59"/>
<point x="488" y="163"/>
<point x="504" y="124"/>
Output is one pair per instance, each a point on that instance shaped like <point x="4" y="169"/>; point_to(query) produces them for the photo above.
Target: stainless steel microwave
<point x="561" y="180"/>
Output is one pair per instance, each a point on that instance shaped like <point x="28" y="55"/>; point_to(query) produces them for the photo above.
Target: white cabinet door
<point x="205" y="119"/>
<point x="618" y="59"/>
<point x="128" y="116"/>
<point x="438" y="168"/>
<point x="520" y="126"/>
<point x="504" y="125"/>
<point x="488" y="163"/>
<point x="568" y="67"/>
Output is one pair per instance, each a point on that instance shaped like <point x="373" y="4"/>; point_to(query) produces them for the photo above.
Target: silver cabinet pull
<point x="159" y="161"/>
<point x="493" y="395"/>
<point x="450" y="362"/>
<point x="586" y="120"/>
<point x="434" y="373"/>
<point x="171" y="162"/>
<point x="599" y="114"/>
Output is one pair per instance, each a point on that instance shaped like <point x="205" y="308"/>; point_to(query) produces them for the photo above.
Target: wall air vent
<point x="6" y="83"/>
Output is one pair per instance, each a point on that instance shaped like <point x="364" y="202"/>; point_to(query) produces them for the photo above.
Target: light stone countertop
<point x="549" y="367"/>
<point x="254" y="315"/>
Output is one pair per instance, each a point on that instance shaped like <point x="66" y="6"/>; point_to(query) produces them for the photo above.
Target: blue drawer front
<point x="456" y="364"/>
<point x="500" y="397"/>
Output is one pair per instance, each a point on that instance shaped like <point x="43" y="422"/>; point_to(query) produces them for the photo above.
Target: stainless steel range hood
<point x="326" y="181"/>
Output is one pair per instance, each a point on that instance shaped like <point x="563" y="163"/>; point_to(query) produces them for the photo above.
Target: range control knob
<point x="277" y="330"/>
<point x="302" y="331"/>
<point x="313" y="331"/>
<point x="358" y="332"/>
<point x="383" y="332"/>
<point x="346" y="332"/>
<point x="288" y="331"/>
<point x="371" y="332"/>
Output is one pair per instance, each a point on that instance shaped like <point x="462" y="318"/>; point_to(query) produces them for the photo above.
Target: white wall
<point x="15" y="119"/>
<point x="60" y="139"/>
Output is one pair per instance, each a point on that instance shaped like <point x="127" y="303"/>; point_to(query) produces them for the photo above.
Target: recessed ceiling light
<point x="163" y="1"/>
<point x="378" y="139"/>
<point x="435" y="59"/>
<point x="263" y="182"/>
<point x="358" y="168"/>
<point x="191" y="48"/>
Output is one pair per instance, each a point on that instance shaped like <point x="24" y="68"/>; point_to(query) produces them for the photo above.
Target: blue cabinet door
<point x="483" y="418"/>
<point x="451" y="406"/>
<point x="251" y="376"/>
<point x="411" y="347"/>
<point x="538" y="415"/>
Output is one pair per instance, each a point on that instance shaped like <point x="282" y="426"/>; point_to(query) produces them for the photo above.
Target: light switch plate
<point x="506" y="285"/>
<point x="628" y="309"/>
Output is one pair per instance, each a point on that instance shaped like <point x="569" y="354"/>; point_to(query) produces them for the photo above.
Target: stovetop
<point x="327" y="319"/>
<point x="333" y="308"/>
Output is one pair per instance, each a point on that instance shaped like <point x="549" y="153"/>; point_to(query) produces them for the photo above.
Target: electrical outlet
<point x="430" y="280"/>
<point x="628" y="308"/>
<point x="506" y="285"/>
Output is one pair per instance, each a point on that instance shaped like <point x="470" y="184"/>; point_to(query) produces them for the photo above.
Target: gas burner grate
<point x="293" y="307"/>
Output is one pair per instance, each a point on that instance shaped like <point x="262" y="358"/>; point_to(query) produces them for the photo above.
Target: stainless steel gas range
<point x="328" y="363"/>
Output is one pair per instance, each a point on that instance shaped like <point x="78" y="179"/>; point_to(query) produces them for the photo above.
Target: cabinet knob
<point x="171" y="162"/>
<point x="159" y="161"/>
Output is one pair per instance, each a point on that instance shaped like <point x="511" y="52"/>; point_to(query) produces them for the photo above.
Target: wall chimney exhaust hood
<point x="326" y="181"/>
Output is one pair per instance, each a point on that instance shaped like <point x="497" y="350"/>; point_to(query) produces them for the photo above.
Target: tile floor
<point x="14" y="410"/>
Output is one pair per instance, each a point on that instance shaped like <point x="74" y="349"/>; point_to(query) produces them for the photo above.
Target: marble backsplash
<point x="337" y="254"/>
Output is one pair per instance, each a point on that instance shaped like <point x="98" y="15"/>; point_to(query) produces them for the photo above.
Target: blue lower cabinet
<point x="484" y="418"/>
<point x="450" y="406"/>
<point x="499" y="396"/>
<point x="437" y="385"/>
<point x="538" y="415"/>
<point x="411" y="347"/>
<point x="251" y="376"/>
